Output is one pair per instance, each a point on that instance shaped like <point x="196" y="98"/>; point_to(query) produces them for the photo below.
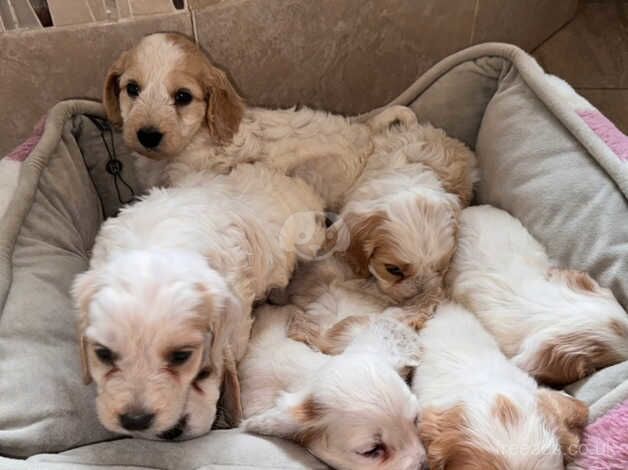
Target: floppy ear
<point x="442" y="433"/>
<point x="83" y="290"/>
<point x="111" y="91"/>
<point x="225" y="108"/>
<point x="567" y="416"/>
<point x="231" y="404"/>
<point x="576" y="280"/>
<point x="363" y="230"/>
<point x="293" y="417"/>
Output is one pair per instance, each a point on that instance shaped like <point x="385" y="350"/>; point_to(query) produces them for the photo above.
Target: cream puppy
<point x="351" y="411"/>
<point x="165" y="305"/>
<point x="479" y="411"/>
<point x="557" y="324"/>
<point x="180" y="114"/>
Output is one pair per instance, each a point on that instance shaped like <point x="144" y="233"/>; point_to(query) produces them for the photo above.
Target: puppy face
<point x="164" y="92"/>
<point x="358" y="414"/>
<point x="154" y="339"/>
<point x="505" y="435"/>
<point x="406" y="245"/>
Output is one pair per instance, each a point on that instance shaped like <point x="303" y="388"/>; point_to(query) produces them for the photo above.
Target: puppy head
<point x="164" y="92"/>
<point x="154" y="335"/>
<point x="359" y="413"/>
<point x="407" y="243"/>
<point x="499" y="434"/>
<point x="600" y="340"/>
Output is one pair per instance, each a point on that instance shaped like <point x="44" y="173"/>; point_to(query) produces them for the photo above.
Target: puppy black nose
<point x="136" y="420"/>
<point x="149" y="137"/>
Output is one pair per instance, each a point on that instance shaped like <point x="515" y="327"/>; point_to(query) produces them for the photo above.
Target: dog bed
<point x="547" y="156"/>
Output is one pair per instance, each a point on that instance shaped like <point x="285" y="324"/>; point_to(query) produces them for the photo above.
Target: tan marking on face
<point x="568" y="418"/>
<point x="449" y="443"/>
<point x="506" y="411"/>
<point x="364" y="232"/>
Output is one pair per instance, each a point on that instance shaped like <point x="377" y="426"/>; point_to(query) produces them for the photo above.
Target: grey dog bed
<point x="542" y="159"/>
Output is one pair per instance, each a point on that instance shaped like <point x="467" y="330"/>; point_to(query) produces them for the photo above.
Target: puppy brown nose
<point x="149" y="137"/>
<point x="136" y="420"/>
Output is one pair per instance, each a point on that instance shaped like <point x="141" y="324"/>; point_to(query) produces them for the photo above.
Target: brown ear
<point x="230" y="393"/>
<point x="83" y="290"/>
<point x="225" y="108"/>
<point x="363" y="231"/>
<point x="567" y="416"/>
<point x="576" y="280"/>
<point x="111" y="90"/>
<point x="441" y="432"/>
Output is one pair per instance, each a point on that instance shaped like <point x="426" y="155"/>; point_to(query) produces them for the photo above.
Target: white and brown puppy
<point x="557" y="324"/>
<point x="351" y="411"/>
<point x="481" y="412"/>
<point x="179" y="109"/>
<point x="165" y="307"/>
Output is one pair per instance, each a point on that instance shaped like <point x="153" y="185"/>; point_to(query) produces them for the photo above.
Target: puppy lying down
<point x="557" y="324"/>
<point x="181" y="114"/>
<point x="165" y="307"/>
<point x="479" y="410"/>
<point x="351" y="411"/>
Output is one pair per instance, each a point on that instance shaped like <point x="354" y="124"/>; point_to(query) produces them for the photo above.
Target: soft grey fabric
<point x="539" y="161"/>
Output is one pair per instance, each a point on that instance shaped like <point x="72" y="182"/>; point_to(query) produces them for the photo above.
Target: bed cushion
<point x="544" y="157"/>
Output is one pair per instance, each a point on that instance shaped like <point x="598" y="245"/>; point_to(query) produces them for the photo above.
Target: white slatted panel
<point x="66" y="12"/>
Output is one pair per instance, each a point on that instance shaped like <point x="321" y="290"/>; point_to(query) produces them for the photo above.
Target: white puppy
<point x="559" y="325"/>
<point x="180" y="114"/>
<point x="479" y="411"/>
<point x="351" y="411"/>
<point x="165" y="306"/>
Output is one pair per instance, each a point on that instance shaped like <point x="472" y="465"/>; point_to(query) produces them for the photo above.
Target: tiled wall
<point x="343" y="55"/>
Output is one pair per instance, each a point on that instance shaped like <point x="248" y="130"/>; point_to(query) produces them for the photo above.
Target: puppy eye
<point x="374" y="452"/>
<point x="394" y="270"/>
<point x="105" y="355"/>
<point x="132" y="89"/>
<point x="182" y="97"/>
<point x="177" y="358"/>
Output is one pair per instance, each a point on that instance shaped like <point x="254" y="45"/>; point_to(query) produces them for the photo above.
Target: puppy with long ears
<point x="557" y="324"/>
<point x="480" y="411"/>
<point x="351" y="411"/>
<point x="180" y="113"/>
<point x="165" y="307"/>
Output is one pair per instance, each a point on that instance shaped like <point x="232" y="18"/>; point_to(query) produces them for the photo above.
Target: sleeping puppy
<point x="351" y="411"/>
<point x="480" y="411"/>
<point x="165" y="307"/>
<point x="181" y="114"/>
<point x="557" y="324"/>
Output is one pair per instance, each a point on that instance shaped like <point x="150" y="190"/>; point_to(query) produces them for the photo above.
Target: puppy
<point x="181" y="114"/>
<point x="351" y="411"/>
<point x="557" y="324"/>
<point x="165" y="305"/>
<point x="479" y="411"/>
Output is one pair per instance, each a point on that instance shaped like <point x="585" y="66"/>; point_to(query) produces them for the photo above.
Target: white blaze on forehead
<point x="155" y="57"/>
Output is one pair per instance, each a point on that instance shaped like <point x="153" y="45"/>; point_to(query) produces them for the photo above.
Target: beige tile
<point x="36" y="73"/>
<point x="342" y="55"/>
<point x="613" y="103"/>
<point x="591" y="51"/>
<point x="66" y="12"/>
<point x="151" y="7"/>
<point x="526" y="23"/>
<point x="98" y="9"/>
<point x="198" y="4"/>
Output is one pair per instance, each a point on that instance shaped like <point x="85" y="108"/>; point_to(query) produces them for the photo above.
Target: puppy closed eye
<point x="376" y="451"/>
<point x="105" y="355"/>
<point x="133" y="89"/>
<point x="182" y="97"/>
<point x="395" y="270"/>
<point x="179" y="357"/>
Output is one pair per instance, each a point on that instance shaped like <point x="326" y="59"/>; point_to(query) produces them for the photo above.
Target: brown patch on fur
<point x="571" y="357"/>
<point x="333" y="341"/>
<point x="308" y="414"/>
<point x="111" y="89"/>
<point x="364" y="232"/>
<point x="448" y="442"/>
<point x="506" y="411"/>
<point x="576" y="280"/>
<point x="225" y="107"/>
<point x="568" y="418"/>
<point x="230" y="401"/>
<point x="303" y="328"/>
<point x="619" y="328"/>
